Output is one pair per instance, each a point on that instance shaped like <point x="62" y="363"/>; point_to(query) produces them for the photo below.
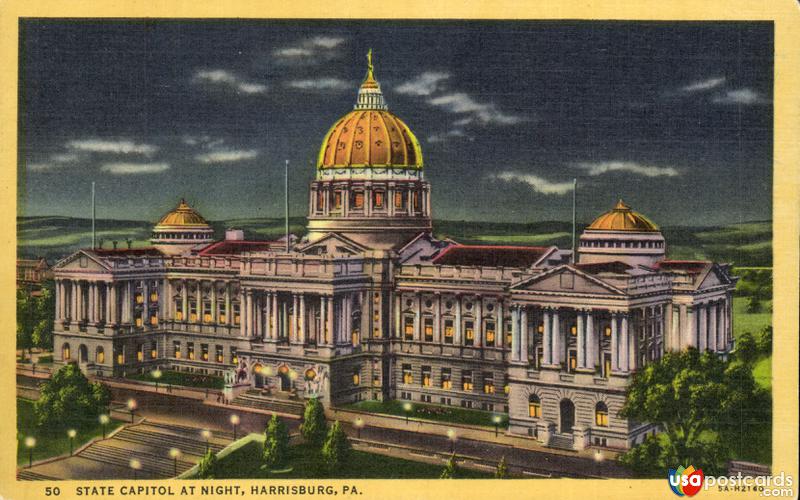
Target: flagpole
<point x="94" y="216"/>
<point x="286" y="202"/>
<point x="574" y="208"/>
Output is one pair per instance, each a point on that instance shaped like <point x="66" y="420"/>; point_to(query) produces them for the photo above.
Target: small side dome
<point x="622" y="218"/>
<point x="182" y="216"/>
<point x="181" y="230"/>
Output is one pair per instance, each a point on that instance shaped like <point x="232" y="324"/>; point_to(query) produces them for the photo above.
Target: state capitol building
<point x="369" y="305"/>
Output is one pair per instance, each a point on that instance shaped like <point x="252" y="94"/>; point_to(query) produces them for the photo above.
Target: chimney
<point x="234" y="234"/>
<point x="114" y="244"/>
<point x="100" y="243"/>
<point x="130" y="243"/>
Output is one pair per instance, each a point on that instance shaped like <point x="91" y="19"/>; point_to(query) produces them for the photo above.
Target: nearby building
<point x="371" y="306"/>
<point x="32" y="274"/>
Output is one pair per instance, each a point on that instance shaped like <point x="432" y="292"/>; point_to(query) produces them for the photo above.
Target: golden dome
<point x="370" y="136"/>
<point x="622" y="218"/>
<point x="183" y="216"/>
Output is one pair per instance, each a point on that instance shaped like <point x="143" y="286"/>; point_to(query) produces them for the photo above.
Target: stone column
<point x="667" y="322"/>
<point x="112" y="306"/>
<point x="702" y="333"/>
<point x="145" y="303"/>
<point x="547" y="340"/>
<point x="479" y="321"/>
<point x="302" y="323"/>
<point x="398" y="312"/>
<point x="276" y="327"/>
<point x="458" y="339"/>
<point x="214" y="301"/>
<point x="515" y="338"/>
<point x="558" y="346"/>
<point x="524" y="335"/>
<point x="90" y="300"/>
<point x="591" y="341"/>
<point x="228" y="305"/>
<point x="418" y="317"/>
<point x="198" y="301"/>
<point x="625" y="344"/>
<point x="581" y="326"/>
<point x="713" y="334"/>
<point x="499" y="339"/>
<point x="614" y="343"/>
<point x="185" y="299"/>
<point x="331" y="335"/>
<point x="165" y="300"/>
<point x="437" y="318"/>
<point x="247" y="324"/>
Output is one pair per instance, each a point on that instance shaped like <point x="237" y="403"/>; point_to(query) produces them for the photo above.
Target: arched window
<point x="601" y="414"/>
<point x="65" y="354"/>
<point x="100" y="355"/>
<point x="534" y="406"/>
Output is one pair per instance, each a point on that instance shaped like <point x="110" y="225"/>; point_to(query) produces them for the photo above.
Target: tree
<point x="314" y="426"/>
<point x="502" y="469"/>
<point x="26" y="320"/>
<point x="451" y="469"/>
<point x="746" y="348"/>
<point x="44" y="310"/>
<point x="764" y="341"/>
<point x="276" y="443"/>
<point x="754" y="305"/>
<point x="703" y="404"/>
<point x="68" y="399"/>
<point x="645" y="459"/>
<point x="206" y="466"/>
<point x="336" y="450"/>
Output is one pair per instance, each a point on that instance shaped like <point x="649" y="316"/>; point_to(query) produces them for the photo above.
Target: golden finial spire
<point x="370" y="78"/>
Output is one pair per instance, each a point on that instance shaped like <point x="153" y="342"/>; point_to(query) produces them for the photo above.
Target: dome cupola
<point x="622" y="235"/>
<point x="180" y="230"/>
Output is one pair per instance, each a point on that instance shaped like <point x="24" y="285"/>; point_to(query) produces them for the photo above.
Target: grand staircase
<point x="561" y="441"/>
<point x="28" y="475"/>
<point x="254" y="399"/>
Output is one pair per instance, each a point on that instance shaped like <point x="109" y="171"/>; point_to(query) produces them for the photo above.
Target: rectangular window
<point x="139" y="321"/>
<point x="490" y="334"/>
<point x="508" y="333"/>
<point x="469" y="333"/>
<point x="426" y="376"/>
<point x="428" y="329"/>
<point x="356" y="377"/>
<point x="220" y="354"/>
<point x="153" y="319"/>
<point x="408" y="377"/>
<point x="448" y="331"/>
<point x="539" y="356"/>
<point x="320" y="200"/>
<point x="358" y="200"/>
<point x="408" y="328"/>
<point x="234" y="356"/>
<point x="179" y="310"/>
<point x="139" y="298"/>
<point x="204" y="352"/>
<point x="190" y="350"/>
<point x="488" y="383"/>
<point x="573" y="360"/>
<point x="193" y="312"/>
<point x="154" y="297"/>
<point x="447" y="382"/>
<point x="466" y="380"/>
<point x="377" y="198"/>
<point x="120" y="355"/>
<point x="376" y="381"/>
<point x="139" y="352"/>
<point x="337" y="199"/>
<point x="236" y="314"/>
<point x="153" y="350"/>
<point x="399" y="200"/>
<point x="176" y="350"/>
<point x="606" y="364"/>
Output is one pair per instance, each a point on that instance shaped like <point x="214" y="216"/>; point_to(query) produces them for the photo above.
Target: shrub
<point x="276" y="443"/>
<point x="764" y="341"/>
<point x="206" y="466"/>
<point x="451" y="469"/>
<point x="336" y="450"/>
<point x="746" y="348"/>
<point x="502" y="469"/>
<point x="754" y="305"/>
<point x="314" y="427"/>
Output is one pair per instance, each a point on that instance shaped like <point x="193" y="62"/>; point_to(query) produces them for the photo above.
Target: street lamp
<point x="206" y="435"/>
<point x="71" y="434"/>
<point x="451" y="435"/>
<point x="104" y="419"/>
<point x="30" y="443"/>
<point x="496" y="419"/>
<point x="407" y="407"/>
<point x="359" y="423"/>
<point x="156" y="374"/>
<point x="132" y="407"/>
<point x="175" y="453"/>
<point x="135" y="465"/>
<point x="598" y="456"/>
<point x="234" y="423"/>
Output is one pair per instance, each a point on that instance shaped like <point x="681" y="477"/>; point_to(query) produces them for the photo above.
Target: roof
<point x="235" y="247"/>
<point x="615" y="267"/>
<point x="40" y="263"/>
<point x="182" y="216"/>
<point x="687" y="266"/>
<point x="490" y="255"/>
<point x="622" y="218"/>
<point x="123" y="252"/>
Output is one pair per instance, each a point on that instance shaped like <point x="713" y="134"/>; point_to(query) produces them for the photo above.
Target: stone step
<point x="561" y="442"/>
<point x="29" y="475"/>
<point x="194" y="446"/>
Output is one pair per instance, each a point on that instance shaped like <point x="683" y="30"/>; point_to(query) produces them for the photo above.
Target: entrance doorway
<point x="567" y="408"/>
<point x="83" y="354"/>
<point x="283" y="375"/>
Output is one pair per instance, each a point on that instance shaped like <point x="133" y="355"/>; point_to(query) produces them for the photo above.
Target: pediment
<point x="566" y="279"/>
<point x="332" y="243"/>
<point x="82" y="261"/>
<point x="714" y="277"/>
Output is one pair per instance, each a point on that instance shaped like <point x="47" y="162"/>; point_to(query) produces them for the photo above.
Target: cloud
<point x="741" y="96"/>
<point x="109" y="146"/>
<point x="134" y="168"/>
<point x="703" y="85"/>
<point x="67" y="157"/>
<point x="41" y="167"/>
<point x="227" y="156"/>
<point x="319" y="84"/>
<point x="309" y="51"/>
<point x="485" y="113"/>
<point x="425" y="84"/>
<point x="450" y="134"/>
<point x="604" y="167"/>
<point x="229" y="80"/>
<point x="537" y="183"/>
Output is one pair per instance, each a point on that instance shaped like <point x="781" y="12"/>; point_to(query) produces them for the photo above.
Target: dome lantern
<point x="181" y="230"/>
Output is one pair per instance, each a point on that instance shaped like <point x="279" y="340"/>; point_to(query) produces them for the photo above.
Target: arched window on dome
<point x="534" y="406"/>
<point x="601" y="414"/>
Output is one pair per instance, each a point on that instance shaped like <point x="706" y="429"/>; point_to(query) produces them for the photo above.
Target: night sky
<point x="675" y="118"/>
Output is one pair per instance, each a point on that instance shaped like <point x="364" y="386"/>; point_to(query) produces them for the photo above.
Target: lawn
<point x="306" y="463"/>
<point x="754" y="323"/>
<point x="439" y="413"/>
<point x="174" y="378"/>
<point x="49" y="443"/>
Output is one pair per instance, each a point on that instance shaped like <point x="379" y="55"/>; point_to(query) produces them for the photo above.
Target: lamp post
<point x="234" y="423"/>
<point x="156" y="374"/>
<point x="451" y="435"/>
<point x="71" y="434"/>
<point x="30" y="443"/>
<point x="104" y="419"/>
<point x="175" y="453"/>
<point x="598" y="456"/>
<point x="132" y="407"/>
<point x="135" y="465"/>
<point x="359" y="423"/>
<point x="407" y="407"/>
<point x="496" y="419"/>
<point x="206" y="435"/>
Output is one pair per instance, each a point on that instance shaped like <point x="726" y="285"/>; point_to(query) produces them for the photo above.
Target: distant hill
<point x="747" y="244"/>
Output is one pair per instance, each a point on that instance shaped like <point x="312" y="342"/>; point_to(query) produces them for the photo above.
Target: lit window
<point x="65" y="352"/>
<point x="204" y="352"/>
<point x="140" y="352"/>
<point x="154" y="320"/>
<point x="488" y="383"/>
<point x="138" y="321"/>
<point x="190" y="351"/>
<point x="409" y="328"/>
<point x="466" y="381"/>
<point x="378" y="199"/>
<point x="448" y="331"/>
<point x="540" y="328"/>
<point x="234" y="356"/>
<point x="310" y="374"/>
<point x="376" y="381"/>
<point x="490" y="334"/>
<point x="220" y="357"/>
<point x="139" y="298"/>
<point x="428" y="329"/>
<point x="337" y="203"/>
<point x="176" y="346"/>
<point x="534" y="406"/>
<point x="426" y="376"/>
<point x="154" y="351"/>
<point x="408" y="377"/>
<point x="358" y="200"/>
<point x="193" y="317"/>
<point x="601" y="414"/>
<point x="469" y="333"/>
<point x="573" y="330"/>
<point x="399" y="200"/>
<point x="222" y="318"/>
<point x="120" y="358"/>
<point x="573" y="360"/>
<point x="447" y="383"/>
<point x="178" y="315"/>
<point x="154" y="297"/>
<point x="207" y="317"/>
<point x="101" y="356"/>
<point x="607" y="331"/>
<point x="354" y="336"/>
<point x="356" y="377"/>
